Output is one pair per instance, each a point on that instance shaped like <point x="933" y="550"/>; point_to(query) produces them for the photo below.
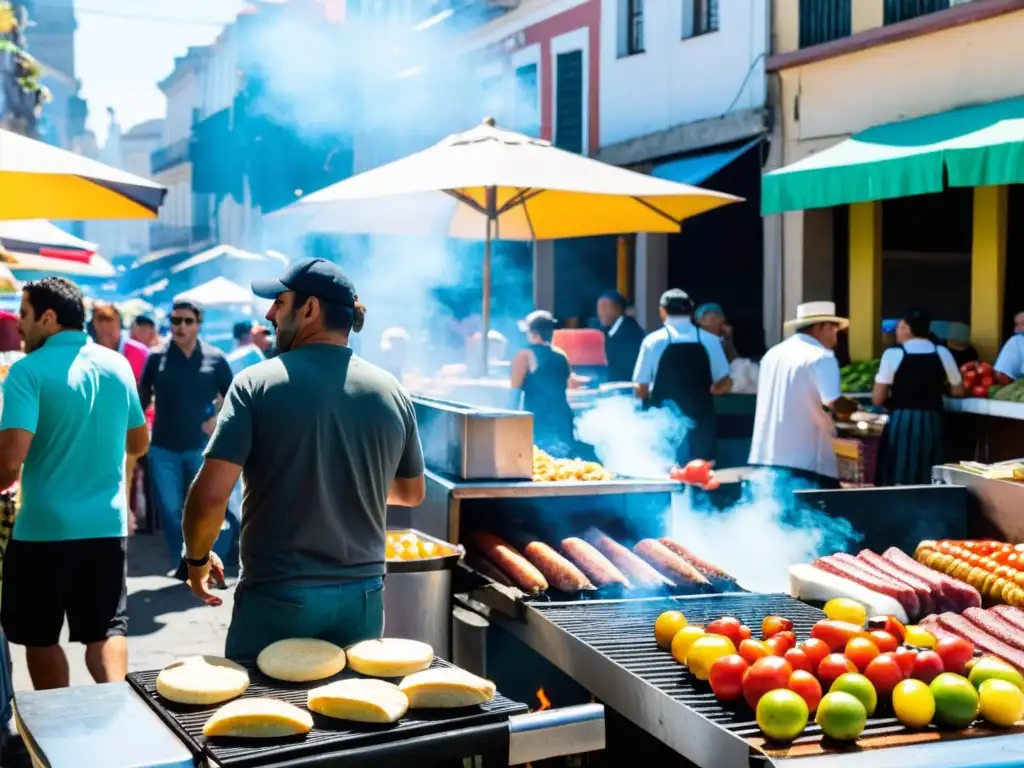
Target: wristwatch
<point x="198" y="562"/>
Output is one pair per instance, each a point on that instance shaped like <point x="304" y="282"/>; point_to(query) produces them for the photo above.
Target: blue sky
<point x="125" y="47"/>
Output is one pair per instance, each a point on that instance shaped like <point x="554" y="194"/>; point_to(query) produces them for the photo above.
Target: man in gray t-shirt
<point x="324" y="441"/>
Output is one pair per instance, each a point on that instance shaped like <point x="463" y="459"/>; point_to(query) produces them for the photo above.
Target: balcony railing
<point x="173" y="154"/>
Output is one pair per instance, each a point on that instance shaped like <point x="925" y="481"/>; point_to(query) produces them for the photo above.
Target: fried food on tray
<point x="547" y="469"/>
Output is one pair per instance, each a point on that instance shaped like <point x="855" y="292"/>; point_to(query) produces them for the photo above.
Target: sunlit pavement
<point x="165" y="620"/>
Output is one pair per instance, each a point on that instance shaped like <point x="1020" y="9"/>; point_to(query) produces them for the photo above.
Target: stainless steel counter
<point x="109" y="726"/>
<point x="1000" y="501"/>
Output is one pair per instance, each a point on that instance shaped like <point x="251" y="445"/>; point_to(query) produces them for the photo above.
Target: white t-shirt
<point x="1011" y="357"/>
<point x="791" y="426"/>
<point x="678" y="329"/>
<point x="892" y="358"/>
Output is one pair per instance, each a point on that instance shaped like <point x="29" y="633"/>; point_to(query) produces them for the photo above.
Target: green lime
<point x="913" y="703"/>
<point x="956" y="700"/>
<point x="1002" y="702"/>
<point x="858" y="686"/>
<point x="782" y="715"/>
<point x="841" y="716"/>
<point x="988" y="668"/>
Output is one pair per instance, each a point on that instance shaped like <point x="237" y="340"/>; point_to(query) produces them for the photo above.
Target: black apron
<point x="544" y="396"/>
<point x="912" y="441"/>
<point x="683" y="383"/>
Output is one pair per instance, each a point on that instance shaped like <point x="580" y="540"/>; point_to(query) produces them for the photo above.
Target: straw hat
<point x="816" y="312"/>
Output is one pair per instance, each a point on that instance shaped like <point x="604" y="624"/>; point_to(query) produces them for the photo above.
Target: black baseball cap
<point x="314" y="277"/>
<point x="676" y="301"/>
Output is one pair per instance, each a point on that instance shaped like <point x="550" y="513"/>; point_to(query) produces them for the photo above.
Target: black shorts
<point x="84" y="579"/>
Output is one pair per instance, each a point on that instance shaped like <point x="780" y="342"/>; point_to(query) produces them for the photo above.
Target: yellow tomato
<point x="845" y="609"/>
<point x="918" y="637"/>
<point x="666" y="627"/>
<point x="705" y="651"/>
<point x="683" y="640"/>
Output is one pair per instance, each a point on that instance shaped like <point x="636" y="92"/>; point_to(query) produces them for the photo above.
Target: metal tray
<point x="413" y="740"/>
<point x="445" y="562"/>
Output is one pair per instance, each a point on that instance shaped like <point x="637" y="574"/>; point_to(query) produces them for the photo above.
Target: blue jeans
<point x="343" y="614"/>
<point x="172" y="472"/>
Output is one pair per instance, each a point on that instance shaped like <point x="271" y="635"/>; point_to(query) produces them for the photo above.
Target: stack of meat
<point x="593" y="562"/>
<point x="892" y="583"/>
<point x="999" y="631"/>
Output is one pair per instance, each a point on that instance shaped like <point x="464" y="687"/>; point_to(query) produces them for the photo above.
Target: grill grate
<point x="328" y="736"/>
<point x="624" y="632"/>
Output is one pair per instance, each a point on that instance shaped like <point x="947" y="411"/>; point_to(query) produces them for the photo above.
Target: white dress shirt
<point x="892" y="358"/>
<point x="792" y="429"/>
<point x="1011" y="357"/>
<point x="676" y="330"/>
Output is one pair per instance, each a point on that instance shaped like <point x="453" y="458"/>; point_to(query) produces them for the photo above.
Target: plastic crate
<point x="856" y="459"/>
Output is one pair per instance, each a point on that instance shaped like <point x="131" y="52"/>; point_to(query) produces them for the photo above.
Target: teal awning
<point x="696" y="169"/>
<point x="973" y="146"/>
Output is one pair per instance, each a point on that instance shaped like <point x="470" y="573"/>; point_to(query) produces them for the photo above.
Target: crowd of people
<point x="265" y="426"/>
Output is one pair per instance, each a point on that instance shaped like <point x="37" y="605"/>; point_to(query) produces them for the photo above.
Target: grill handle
<point x="555" y="732"/>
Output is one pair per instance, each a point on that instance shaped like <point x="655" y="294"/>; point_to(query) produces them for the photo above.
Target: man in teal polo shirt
<point x="71" y="415"/>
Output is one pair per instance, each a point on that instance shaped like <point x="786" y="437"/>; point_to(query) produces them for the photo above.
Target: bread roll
<point x="202" y="680"/>
<point x="446" y="688"/>
<point x="390" y="657"/>
<point x="301" y="659"/>
<point x="258" y="719"/>
<point x="360" y="699"/>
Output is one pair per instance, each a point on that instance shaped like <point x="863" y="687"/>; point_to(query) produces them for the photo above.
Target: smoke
<point x="630" y="441"/>
<point x="385" y="88"/>
<point x="761" y="535"/>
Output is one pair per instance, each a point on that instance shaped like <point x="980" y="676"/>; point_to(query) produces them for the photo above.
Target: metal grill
<point x="485" y="727"/>
<point x="624" y="632"/>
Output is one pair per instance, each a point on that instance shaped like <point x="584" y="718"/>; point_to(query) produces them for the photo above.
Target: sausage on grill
<point x="560" y="573"/>
<point x="633" y="568"/>
<point x="522" y="572"/>
<point x="485" y="567"/>
<point x="598" y="568"/>
<point x="709" y="570"/>
<point x="668" y="563"/>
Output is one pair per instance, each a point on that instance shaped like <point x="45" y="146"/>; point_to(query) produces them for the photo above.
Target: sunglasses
<point x="183" y="321"/>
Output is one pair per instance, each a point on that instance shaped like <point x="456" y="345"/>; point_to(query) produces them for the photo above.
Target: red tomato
<point x="985" y="368"/>
<point x="889" y="624"/>
<point x="884" y="673"/>
<point x="777" y="645"/>
<point x="712" y="484"/>
<point x="969" y="366"/>
<point x="806" y="686"/>
<point x="727" y="626"/>
<point x="752" y="650"/>
<point x="798" y="660"/>
<point x="745" y="632"/>
<point x="927" y="666"/>
<point x="697" y="472"/>
<point x="885" y="642"/>
<point x="787" y="637"/>
<point x="831" y="667"/>
<point x="726" y="677"/>
<point x="836" y="633"/>
<point x="986" y="381"/>
<point x="955" y="652"/>
<point x="861" y="651"/>
<point x="772" y="625"/>
<point x="766" y="675"/>
<point x="816" y="650"/>
<point x="979" y="391"/>
<point x="905" y="658"/>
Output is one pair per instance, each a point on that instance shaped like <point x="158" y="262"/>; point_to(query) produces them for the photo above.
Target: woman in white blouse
<point x="912" y="378"/>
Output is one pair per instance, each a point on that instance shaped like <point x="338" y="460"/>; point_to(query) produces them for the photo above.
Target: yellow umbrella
<point x="40" y="181"/>
<point x="492" y="184"/>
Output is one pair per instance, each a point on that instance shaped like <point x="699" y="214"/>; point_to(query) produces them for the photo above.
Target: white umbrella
<point x="219" y="292"/>
<point x="32" y="234"/>
<point x="221" y="252"/>
<point x="492" y="184"/>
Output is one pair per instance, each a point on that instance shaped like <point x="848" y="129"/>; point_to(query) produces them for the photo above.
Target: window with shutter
<point x="901" y="10"/>
<point x="822" y="21"/>
<point x="569" y="101"/>
<point x="699" y="17"/>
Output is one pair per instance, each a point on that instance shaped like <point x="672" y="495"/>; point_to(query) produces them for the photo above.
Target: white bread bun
<point x="390" y="657"/>
<point x="258" y="719"/>
<point x="360" y="699"/>
<point x="446" y="688"/>
<point x="202" y="680"/>
<point x="301" y="659"/>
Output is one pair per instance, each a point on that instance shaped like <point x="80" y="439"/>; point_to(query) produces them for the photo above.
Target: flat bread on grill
<point x="202" y="680"/>
<point x="301" y="659"/>
<point x="258" y="719"/>
<point x="359" y="699"/>
<point x="446" y="688"/>
<point x="390" y="657"/>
